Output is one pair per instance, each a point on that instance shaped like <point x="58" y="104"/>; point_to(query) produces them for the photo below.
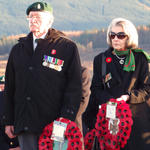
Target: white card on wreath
<point x="111" y="110"/>
<point x="59" y="129"/>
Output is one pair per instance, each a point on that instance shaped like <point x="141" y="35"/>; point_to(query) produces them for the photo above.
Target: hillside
<point x="74" y="14"/>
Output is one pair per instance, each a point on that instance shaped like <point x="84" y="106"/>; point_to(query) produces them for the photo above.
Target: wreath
<point x="72" y="134"/>
<point x="89" y="139"/>
<point x="107" y="138"/>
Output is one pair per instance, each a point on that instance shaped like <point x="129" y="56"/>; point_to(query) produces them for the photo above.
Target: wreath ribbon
<point x="72" y="134"/>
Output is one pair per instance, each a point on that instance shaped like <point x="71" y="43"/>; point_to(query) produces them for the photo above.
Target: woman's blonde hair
<point x="129" y="30"/>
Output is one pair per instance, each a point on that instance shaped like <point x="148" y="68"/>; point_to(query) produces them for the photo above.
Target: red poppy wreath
<point x="89" y="139"/>
<point x="114" y="136"/>
<point x="72" y="134"/>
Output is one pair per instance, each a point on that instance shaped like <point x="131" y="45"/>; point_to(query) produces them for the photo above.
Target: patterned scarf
<point x="129" y="64"/>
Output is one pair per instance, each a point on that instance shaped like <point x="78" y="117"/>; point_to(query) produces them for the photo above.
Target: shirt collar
<point x="42" y="37"/>
<point x="34" y="38"/>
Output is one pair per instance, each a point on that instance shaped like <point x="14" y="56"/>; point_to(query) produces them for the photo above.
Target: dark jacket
<point x="5" y="142"/>
<point x="36" y="94"/>
<point x="134" y="83"/>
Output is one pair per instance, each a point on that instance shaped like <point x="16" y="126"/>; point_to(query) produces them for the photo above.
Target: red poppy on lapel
<point x="108" y="59"/>
<point x="53" y="52"/>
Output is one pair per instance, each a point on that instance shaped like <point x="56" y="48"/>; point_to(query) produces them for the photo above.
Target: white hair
<point x="129" y="30"/>
<point x="49" y="16"/>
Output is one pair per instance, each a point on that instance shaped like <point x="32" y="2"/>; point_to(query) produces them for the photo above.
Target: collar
<point x="52" y="35"/>
<point x="41" y="37"/>
<point x="34" y="38"/>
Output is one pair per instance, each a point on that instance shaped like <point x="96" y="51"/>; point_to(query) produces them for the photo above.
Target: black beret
<point x="39" y="6"/>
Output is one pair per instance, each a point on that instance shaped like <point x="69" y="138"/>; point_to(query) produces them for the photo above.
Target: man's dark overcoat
<point x="37" y="93"/>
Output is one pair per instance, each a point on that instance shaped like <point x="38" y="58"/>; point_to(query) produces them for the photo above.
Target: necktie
<point x="36" y="43"/>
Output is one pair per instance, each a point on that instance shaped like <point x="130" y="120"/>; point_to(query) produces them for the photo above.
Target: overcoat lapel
<point x="27" y="44"/>
<point x="111" y="68"/>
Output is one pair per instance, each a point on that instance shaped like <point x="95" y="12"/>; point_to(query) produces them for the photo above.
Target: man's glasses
<point x="29" y="18"/>
<point x="120" y="35"/>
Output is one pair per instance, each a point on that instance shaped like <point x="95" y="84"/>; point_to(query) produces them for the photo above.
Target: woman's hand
<point x="123" y="97"/>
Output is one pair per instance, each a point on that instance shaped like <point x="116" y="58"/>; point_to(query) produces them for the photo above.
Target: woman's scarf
<point x="129" y="64"/>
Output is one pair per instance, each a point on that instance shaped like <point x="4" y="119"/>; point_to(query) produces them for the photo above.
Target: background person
<point x="5" y="142"/>
<point x="86" y="82"/>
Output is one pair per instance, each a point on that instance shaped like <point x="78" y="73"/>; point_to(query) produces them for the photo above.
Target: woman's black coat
<point x="136" y="84"/>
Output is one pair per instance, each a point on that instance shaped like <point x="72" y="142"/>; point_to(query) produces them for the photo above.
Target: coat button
<point x="4" y="117"/>
<point x="28" y="98"/>
<point x="26" y="128"/>
<point x="11" y="143"/>
<point x="30" y="68"/>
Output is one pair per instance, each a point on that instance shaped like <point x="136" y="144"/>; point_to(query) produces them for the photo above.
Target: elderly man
<point x="43" y="79"/>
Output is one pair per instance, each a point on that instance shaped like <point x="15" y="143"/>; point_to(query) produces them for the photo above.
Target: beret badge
<point x="38" y="6"/>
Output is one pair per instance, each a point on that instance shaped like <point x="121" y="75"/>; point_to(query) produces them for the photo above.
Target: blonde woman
<point x="127" y="79"/>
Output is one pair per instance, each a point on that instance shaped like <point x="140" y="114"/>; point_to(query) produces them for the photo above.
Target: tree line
<point x="97" y="38"/>
<point x="87" y="41"/>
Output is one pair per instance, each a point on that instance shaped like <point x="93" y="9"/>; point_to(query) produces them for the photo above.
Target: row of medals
<point x="52" y="66"/>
